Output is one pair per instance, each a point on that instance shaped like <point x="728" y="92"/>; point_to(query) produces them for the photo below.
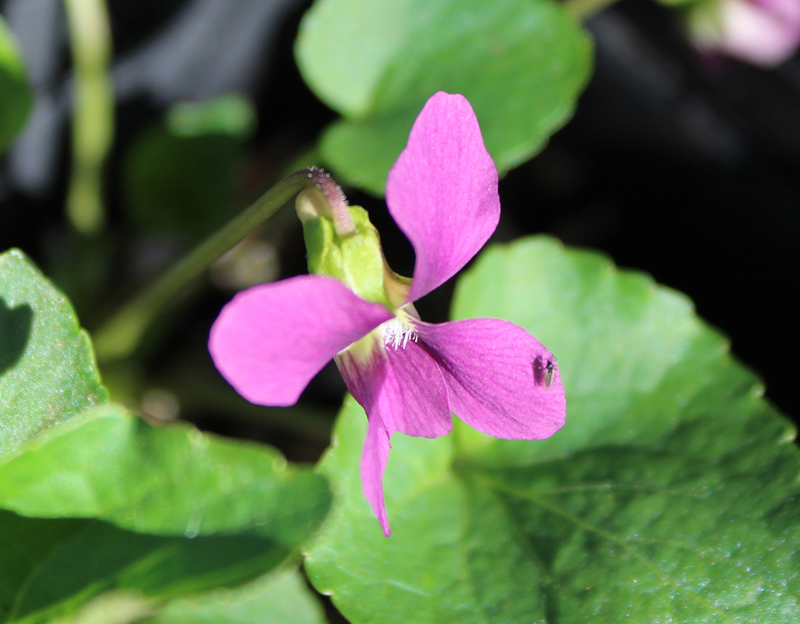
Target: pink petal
<point x="373" y="465"/>
<point x="765" y="33"/>
<point x="496" y="378"/>
<point x="271" y="340"/>
<point x="442" y="191"/>
<point x="401" y="390"/>
<point x="762" y="32"/>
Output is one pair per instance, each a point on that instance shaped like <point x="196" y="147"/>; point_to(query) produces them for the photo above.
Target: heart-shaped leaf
<point x="671" y="494"/>
<point x="521" y="64"/>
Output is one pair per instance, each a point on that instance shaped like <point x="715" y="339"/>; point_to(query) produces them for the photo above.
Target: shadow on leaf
<point x="15" y="329"/>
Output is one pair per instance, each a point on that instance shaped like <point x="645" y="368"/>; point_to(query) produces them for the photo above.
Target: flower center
<point x="397" y="333"/>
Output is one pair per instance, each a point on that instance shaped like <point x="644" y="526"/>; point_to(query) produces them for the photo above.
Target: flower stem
<point x="121" y="334"/>
<point x="93" y="112"/>
<point x="584" y="9"/>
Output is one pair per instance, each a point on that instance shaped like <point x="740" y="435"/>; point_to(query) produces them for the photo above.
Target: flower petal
<point x="442" y="191"/>
<point x="763" y="32"/>
<point x="498" y="378"/>
<point x="271" y="340"/>
<point x="401" y="389"/>
<point x="373" y="465"/>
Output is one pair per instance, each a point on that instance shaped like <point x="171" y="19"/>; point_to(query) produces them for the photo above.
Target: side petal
<point x="500" y="379"/>
<point x="401" y="389"/>
<point x="442" y="191"/>
<point x="271" y="340"/>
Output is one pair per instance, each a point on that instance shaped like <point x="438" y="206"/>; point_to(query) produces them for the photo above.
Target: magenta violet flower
<point x="408" y="375"/>
<point x="761" y="32"/>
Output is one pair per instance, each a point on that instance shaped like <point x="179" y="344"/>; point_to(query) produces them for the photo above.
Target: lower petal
<point x="401" y="389"/>
<point x="373" y="465"/>
<point x="500" y="379"/>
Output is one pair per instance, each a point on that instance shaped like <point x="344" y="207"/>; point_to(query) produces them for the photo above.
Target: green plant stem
<point x="121" y="334"/>
<point x="584" y="9"/>
<point x="93" y="112"/>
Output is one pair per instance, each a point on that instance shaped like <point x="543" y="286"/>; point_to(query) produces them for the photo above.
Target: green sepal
<point x="355" y="259"/>
<point x="322" y="252"/>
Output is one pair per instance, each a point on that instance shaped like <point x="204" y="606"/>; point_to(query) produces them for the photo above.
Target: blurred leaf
<point x="33" y="542"/>
<point x="47" y="368"/>
<point x="16" y="99"/>
<point x="521" y="64"/>
<point x="52" y="568"/>
<point x="114" y="607"/>
<point x="671" y="495"/>
<point x="166" y="480"/>
<point x="231" y="115"/>
<point x="179" y="176"/>
<point x="280" y="598"/>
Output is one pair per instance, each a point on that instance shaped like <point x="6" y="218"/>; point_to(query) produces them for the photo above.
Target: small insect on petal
<point x="543" y="371"/>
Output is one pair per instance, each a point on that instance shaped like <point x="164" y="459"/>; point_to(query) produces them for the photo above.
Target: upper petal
<point x="442" y="191"/>
<point x="271" y="340"/>
<point x="497" y="377"/>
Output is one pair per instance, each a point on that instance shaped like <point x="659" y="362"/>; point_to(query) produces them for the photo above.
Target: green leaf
<point x="123" y="606"/>
<point x="232" y="115"/>
<point x="521" y="64"/>
<point x="53" y="568"/>
<point x="671" y="495"/>
<point x="47" y="368"/>
<point x="179" y="176"/>
<point x="165" y="480"/>
<point x="190" y="511"/>
<point x="16" y="99"/>
<point x="281" y="597"/>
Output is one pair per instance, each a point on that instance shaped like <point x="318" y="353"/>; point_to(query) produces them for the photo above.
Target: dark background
<point x="681" y="166"/>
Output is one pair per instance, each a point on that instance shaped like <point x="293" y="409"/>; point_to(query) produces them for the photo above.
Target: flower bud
<point x="342" y="243"/>
<point x="762" y="32"/>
